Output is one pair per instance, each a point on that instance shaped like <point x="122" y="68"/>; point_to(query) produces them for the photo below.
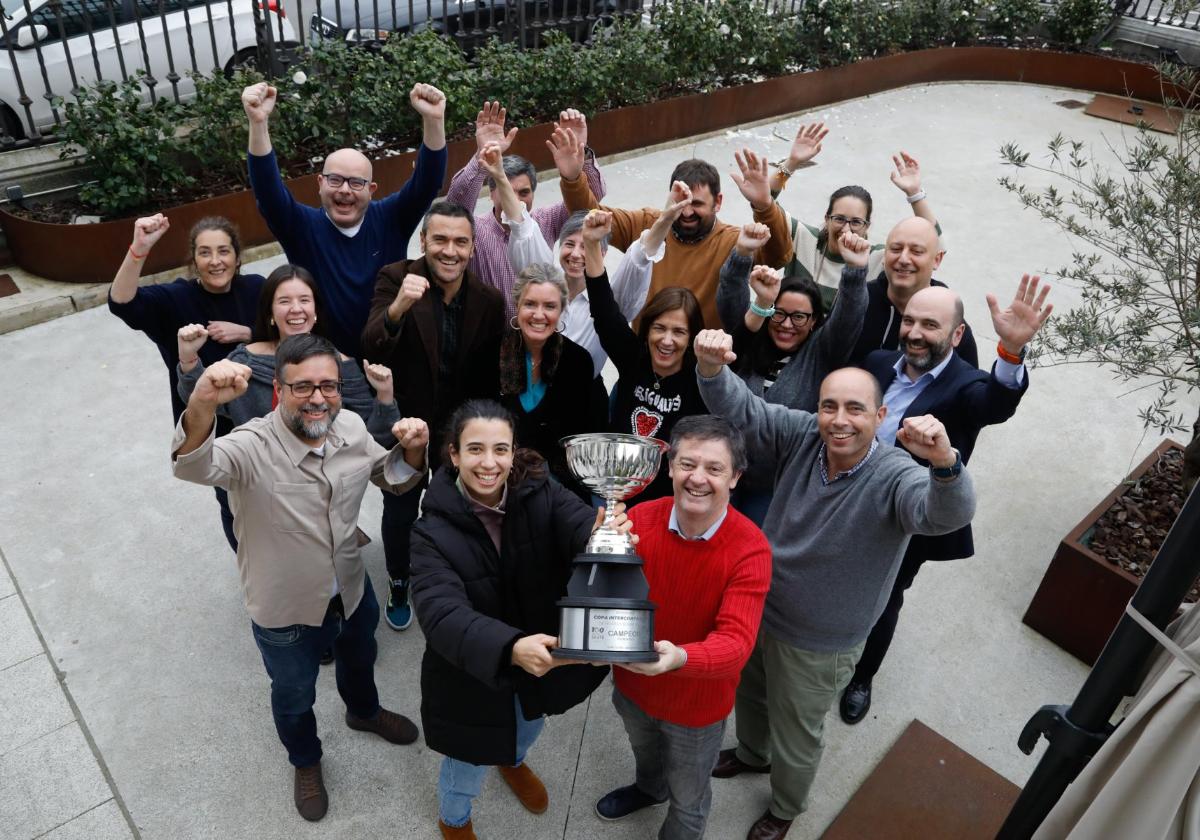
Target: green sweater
<point x="835" y="548"/>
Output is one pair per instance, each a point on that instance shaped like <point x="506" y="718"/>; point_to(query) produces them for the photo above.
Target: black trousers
<point x="880" y="639"/>
<point x="399" y="514"/>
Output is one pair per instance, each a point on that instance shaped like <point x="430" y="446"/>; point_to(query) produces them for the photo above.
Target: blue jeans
<point x="675" y="762"/>
<point x="292" y="656"/>
<point x="459" y="782"/>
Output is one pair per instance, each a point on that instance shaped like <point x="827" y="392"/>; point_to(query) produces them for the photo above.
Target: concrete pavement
<point x="133" y="597"/>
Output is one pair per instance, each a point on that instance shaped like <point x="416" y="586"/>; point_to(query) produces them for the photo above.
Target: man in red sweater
<point x="708" y="568"/>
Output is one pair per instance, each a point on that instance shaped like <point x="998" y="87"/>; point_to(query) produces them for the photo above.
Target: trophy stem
<point x="592" y="576"/>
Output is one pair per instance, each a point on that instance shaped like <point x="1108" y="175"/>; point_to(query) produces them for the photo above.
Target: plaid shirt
<point x="490" y="260"/>
<point x="826" y="480"/>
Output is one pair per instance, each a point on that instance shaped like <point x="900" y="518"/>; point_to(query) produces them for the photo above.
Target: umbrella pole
<point x="1075" y="733"/>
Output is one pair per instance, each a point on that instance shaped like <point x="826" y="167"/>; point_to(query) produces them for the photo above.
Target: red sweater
<point x="710" y="598"/>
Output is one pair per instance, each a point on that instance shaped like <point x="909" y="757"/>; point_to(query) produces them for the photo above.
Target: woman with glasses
<point x="217" y="295"/>
<point x="785" y="345"/>
<point x="818" y="251"/>
<point x="289" y="305"/>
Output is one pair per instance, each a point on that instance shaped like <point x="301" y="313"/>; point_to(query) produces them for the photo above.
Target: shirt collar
<point x="475" y="503"/>
<point x="826" y="480"/>
<point x="297" y="449"/>
<point x="932" y="374"/>
<point x="673" y="525"/>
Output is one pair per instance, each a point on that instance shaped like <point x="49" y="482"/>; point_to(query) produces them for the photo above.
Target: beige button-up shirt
<point x="295" y="512"/>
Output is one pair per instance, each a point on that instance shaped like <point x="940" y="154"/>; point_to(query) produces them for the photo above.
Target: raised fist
<point x="752" y="237"/>
<point x="596" y="225"/>
<point x="147" y="231"/>
<point x="259" y="101"/>
<point x="428" y="101"/>
<point x="380" y="377"/>
<point x="855" y="250"/>
<point x="189" y="340"/>
<point x="714" y="349"/>
<point x="925" y="438"/>
<point x="411" y="432"/>
<point x="765" y="284"/>
<point x="224" y="382"/>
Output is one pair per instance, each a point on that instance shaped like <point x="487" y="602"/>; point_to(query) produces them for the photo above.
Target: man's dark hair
<point x="299" y="348"/>
<point x="442" y="207"/>
<point x="514" y="165"/>
<point x="695" y="172"/>
<point x="710" y="427"/>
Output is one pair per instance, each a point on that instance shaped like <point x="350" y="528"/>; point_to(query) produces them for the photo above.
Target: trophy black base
<point x="614" y="656"/>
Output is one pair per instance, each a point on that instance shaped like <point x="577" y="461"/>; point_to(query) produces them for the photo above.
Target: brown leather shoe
<point x="729" y="765"/>
<point x="462" y="832"/>
<point x="769" y="827"/>
<point x="312" y="800"/>
<point x="527" y="786"/>
<point x="387" y="725"/>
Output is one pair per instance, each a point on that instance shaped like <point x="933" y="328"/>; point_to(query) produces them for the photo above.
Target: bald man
<point x="927" y="376"/>
<point x="913" y="252"/>
<point x="350" y="238"/>
<point x="843" y="511"/>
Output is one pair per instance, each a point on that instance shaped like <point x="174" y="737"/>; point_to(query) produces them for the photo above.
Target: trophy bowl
<point x="606" y="615"/>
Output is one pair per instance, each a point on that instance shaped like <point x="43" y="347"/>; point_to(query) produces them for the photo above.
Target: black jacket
<point x="473" y="604"/>
<point x="965" y="399"/>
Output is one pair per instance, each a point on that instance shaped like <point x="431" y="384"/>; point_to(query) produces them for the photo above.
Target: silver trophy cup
<point x="606" y="615"/>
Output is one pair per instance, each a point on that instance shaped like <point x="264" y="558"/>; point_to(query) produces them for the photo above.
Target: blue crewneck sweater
<point x="345" y="267"/>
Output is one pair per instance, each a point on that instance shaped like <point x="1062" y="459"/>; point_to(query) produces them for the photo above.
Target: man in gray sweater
<point x="843" y="511"/>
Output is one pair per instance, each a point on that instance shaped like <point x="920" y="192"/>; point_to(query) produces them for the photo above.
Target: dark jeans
<point x="880" y="639"/>
<point x="226" y="517"/>
<point x="674" y="762"/>
<point x="399" y="514"/>
<point x="292" y="656"/>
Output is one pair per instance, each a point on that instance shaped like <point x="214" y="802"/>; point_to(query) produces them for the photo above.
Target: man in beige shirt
<point x="296" y="478"/>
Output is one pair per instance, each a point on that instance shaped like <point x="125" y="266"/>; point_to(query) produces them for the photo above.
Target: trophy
<point x="605" y="616"/>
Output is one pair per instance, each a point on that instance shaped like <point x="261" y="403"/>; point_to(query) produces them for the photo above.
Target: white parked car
<point x="47" y="40"/>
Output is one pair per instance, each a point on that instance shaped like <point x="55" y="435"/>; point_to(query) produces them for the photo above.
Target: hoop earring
<point x="512" y="322"/>
<point x="560" y="327"/>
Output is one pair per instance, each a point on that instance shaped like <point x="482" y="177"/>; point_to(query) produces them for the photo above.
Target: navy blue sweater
<point x="159" y="312"/>
<point x="345" y="266"/>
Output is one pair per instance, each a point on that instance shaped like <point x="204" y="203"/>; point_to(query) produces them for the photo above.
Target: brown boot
<point x="387" y="725"/>
<point x="462" y="832"/>
<point x="527" y="786"/>
<point x="312" y="800"/>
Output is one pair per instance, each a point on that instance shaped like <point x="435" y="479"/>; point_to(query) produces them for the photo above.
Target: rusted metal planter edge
<point x="1082" y="596"/>
<point x="92" y="253"/>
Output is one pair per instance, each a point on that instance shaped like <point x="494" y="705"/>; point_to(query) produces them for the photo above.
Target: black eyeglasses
<point x="798" y="318"/>
<point x="329" y="388"/>
<point x="336" y="181"/>
<point x="854" y="222"/>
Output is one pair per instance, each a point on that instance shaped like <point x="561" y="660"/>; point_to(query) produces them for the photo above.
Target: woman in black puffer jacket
<point x="491" y="554"/>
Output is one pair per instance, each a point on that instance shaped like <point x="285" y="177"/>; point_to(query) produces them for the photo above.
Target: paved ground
<point x="133" y="701"/>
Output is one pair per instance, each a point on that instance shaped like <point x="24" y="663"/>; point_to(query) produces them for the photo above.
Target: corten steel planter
<point x="92" y="253"/>
<point x="1082" y="596"/>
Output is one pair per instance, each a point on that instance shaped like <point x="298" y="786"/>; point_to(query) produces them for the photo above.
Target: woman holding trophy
<point x="491" y="555"/>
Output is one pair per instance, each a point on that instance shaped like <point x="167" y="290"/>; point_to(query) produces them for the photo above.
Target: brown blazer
<point x="413" y="351"/>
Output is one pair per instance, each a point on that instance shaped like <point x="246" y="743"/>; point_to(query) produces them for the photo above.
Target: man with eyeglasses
<point x="296" y="478"/>
<point x="350" y="238"/>
<point x="912" y="253"/>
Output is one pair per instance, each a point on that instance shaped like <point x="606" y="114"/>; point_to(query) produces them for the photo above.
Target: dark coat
<point x="881" y="326"/>
<point x="574" y="403"/>
<point x="413" y="352"/>
<point x="964" y="399"/>
<point x="473" y="604"/>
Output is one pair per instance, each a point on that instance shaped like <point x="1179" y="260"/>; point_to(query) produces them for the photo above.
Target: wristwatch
<point x="952" y="471"/>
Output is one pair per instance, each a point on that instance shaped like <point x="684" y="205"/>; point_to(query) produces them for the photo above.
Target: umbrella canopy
<point x="1145" y="781"/>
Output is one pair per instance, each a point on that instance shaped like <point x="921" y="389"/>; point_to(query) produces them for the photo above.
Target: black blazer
<point x="965" y="399"/>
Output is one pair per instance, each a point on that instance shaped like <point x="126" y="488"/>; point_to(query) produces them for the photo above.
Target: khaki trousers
<point x="782" y="700"/>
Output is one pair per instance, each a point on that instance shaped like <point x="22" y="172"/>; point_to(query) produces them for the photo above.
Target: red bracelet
<point x="1006" y="356"/>
<point x="136" y="255"/>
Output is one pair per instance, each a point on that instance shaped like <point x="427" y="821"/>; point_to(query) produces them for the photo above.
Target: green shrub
<point x="632" y="58"/>
<point x="1014" y="18"/>
<point x="1074" y="23"/>
<point x="697" y="45"/>
<point x="129" y="147"/>
<point x="216" y="142"/>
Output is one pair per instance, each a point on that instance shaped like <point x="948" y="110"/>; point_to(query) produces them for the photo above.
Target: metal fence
<point x="56" y="47"/>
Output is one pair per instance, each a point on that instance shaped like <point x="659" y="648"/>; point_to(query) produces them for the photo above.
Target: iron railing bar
<point x="37" y="48"/>
<point x="232" y="28"/>
<point x="112" y="21"/>
<point x="187" y="28"/>
<point x="212" y="35"/>
<point x="91" y="36"/>
<point x="56" y="5"/>
<point x="150" y="80"/>
<point x="31" y="129"/>
<point x="172" y="76"/>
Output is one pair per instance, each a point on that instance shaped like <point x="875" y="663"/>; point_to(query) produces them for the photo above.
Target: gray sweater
<point x="835" y="548"/>
<point x="256" y="402"/>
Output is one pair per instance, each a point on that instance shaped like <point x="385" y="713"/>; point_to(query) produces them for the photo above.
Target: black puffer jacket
<point x="473" y="604"/>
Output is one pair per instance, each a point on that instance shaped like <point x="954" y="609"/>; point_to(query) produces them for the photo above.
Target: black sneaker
<point x="624" y="801"/>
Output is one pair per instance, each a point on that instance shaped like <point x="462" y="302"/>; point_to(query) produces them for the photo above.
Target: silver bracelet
<point x="919" y="195"/>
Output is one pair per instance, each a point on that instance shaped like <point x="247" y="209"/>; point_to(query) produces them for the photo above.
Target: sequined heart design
<point x="645" y="422"/>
